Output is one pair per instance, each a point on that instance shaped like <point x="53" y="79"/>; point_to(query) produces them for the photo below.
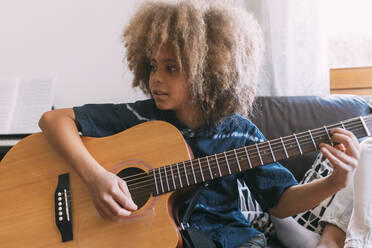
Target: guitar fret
<point x="312" y="138"/>
<point x="329" y="137"/>
<point x="161" y="181"/>
<point x="249" y="160"/>
<point x="193" y="172"/>
<point x="298" y="144"/>
<point x="259" y="154"/>
<point x="166" y="177"/>
<point x="201" y="171"/>
<point x="179" y="175"/>
<point x="209" y="166"/>
<point x="227" y="163"/>
<point x="365" y="126"/>
<point x="272" y="153"/>
<point x="237" y="160"/>
<point x="343" y="126"/>
<point x="174" y="183"/>
<point x="256" y="154"/>
<point x="285" y="149"/>
<point x="186" y="174"/>
<point x="218" y="165"/>
<point x="156" y="184"/>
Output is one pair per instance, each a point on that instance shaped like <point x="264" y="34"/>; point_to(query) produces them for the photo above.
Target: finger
<point x="340" y="147"/>
<point x="345" y="132"/>
<point x="127" y="200"/>
<point x="116" y="210"/>
<point x="351" y="148"/>
<point x="341" y="172"/>
<point x="123" y="186"/>
<point x="338" y="158"/>
<point x="336" y="163"/>
<point x="344" y="137"/>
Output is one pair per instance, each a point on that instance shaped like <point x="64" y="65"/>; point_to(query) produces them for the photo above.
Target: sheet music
<point x="7" y="100"/>
<point x="32" y="98"/>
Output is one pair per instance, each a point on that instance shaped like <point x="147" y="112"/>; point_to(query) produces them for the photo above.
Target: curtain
<point x="296" y="57"/>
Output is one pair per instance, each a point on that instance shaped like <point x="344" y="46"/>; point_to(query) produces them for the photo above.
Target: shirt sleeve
<point x="100" y="120"/>
<point x="267" y="183"/>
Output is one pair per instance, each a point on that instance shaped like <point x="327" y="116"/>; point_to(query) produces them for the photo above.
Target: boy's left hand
<point x="344" y="156"/>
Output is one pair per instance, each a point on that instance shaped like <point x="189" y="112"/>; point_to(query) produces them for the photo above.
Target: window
<point x="350" y="46"/>
<point x="349" y="27"/>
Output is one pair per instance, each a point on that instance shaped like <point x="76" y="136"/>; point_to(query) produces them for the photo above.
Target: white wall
<point x="79" y="41"/>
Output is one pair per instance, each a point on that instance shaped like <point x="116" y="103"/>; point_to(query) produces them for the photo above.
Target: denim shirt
<point x="217" y="211"/>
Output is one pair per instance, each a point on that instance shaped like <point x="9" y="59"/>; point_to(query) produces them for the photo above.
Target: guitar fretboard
<point x="187" y="173"/>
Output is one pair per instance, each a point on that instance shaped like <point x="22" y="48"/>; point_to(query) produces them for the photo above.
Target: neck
<point x="187" y="173"/>
<point x="190" y="116"/>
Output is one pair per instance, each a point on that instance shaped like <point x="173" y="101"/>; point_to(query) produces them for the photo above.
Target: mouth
<point x="159" y="93"/>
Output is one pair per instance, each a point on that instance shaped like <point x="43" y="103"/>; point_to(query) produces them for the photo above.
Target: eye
<point x="171" y="68"/>
<point x="153" y="68"/>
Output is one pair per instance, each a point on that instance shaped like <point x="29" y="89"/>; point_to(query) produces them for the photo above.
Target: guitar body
<point x="29" y="176"/>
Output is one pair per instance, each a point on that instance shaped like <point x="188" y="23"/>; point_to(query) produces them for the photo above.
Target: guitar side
<point x="29" y="177"/>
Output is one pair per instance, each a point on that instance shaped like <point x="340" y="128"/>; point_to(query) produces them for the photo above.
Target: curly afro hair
<point x="218" y="47"/>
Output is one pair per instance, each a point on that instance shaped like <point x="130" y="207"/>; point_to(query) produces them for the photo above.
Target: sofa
<point x="281" y="116"/>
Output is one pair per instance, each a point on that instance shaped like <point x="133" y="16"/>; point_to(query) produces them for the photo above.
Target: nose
<point x="156" y="76"/>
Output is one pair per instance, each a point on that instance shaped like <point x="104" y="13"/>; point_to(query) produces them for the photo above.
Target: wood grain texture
<point x="29" y="175"/>
<point x="356" y="80"/>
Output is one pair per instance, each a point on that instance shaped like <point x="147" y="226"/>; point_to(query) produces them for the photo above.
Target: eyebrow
<point x="164" y="60"/>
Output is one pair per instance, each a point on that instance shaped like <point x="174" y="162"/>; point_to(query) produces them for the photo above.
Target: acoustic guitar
<point x="44" y="203"/>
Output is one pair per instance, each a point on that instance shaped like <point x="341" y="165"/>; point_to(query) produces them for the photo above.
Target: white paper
<point x="31" y="99"/>
<point x="8" y="89"/>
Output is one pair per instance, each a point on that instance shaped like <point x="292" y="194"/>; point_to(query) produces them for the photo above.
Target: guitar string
<point x="196" y="169"/>
<point x="147" y="189"/>
<point x="238" y="151"/>
<point x="174" y="187"/>
<point x="264" y="147"/>
<point x="146" y="192"/>
<point x="143" y="191"/>
<point x="164" y="191"/>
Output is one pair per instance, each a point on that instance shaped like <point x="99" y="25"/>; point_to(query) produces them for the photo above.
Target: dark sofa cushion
<point x="281" y="116"/>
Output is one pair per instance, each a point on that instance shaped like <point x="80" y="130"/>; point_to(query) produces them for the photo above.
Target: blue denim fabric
<point x="258" y="241"/>
<point x="217" y="212"/>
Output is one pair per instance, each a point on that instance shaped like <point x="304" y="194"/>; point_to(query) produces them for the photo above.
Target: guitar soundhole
<point x="138" y="184"/>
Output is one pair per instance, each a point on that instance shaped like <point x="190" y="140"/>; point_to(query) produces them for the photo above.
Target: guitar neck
<point x="187" y="173"/>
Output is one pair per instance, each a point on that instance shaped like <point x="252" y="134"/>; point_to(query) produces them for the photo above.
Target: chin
<point x="163" y="106"/>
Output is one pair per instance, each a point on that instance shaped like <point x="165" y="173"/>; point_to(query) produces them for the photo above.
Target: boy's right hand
<point x="111" y="196"/>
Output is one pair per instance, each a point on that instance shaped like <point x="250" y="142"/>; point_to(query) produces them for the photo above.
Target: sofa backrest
<point x="281" y="116"/>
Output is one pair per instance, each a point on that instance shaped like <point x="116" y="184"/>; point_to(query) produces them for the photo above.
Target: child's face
<point x="167" y="83"/>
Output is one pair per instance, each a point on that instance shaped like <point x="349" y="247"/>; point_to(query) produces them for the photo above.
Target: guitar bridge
<point x="62" y="205"/>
